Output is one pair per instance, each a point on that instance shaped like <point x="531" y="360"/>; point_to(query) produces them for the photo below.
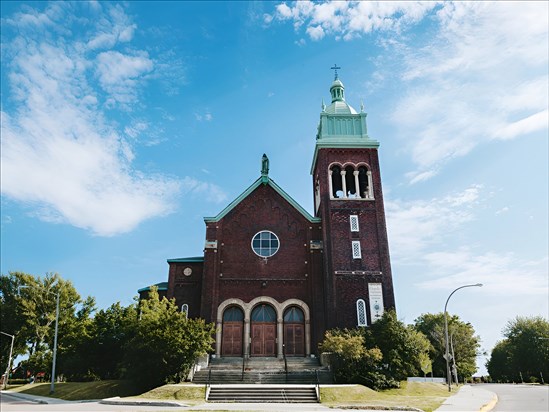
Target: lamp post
<point x="8" y="368"/>
<point x="447" y="352"/>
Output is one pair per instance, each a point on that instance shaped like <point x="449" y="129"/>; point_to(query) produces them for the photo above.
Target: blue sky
<point x="124" y="124"/>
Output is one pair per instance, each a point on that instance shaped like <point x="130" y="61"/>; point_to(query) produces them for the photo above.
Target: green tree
<point x="402" y="346"/>
<point x="166" y="343"/>
<point x="31" y="301"/>
<point x="351" y="361"/>
<point x="466" y="344"/>
<point x="525" y="350"/>
<point x="99" y="352"/>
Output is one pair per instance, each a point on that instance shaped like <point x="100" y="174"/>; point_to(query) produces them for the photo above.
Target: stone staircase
<point x="263" y="371"/>
<point x="263" y="393"/>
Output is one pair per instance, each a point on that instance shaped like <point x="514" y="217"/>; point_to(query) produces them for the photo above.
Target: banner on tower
<point x="376" y="301"/>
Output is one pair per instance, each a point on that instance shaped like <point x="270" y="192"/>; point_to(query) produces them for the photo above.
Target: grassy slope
<point x="73" y="391"/>
<point x="425" y="396"/>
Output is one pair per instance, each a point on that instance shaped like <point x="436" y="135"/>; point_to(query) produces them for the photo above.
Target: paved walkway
<point x="469" y="398"/>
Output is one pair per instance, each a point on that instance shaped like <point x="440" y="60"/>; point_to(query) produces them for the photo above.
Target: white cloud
<point x="351" y="19"/>
<point x="60" y="155"/>
<point x="479" y="75"/>
<point x="119" y="74"/>
<point x="501" y="274"/>
<point x="414" y="226"/>
<point x="207" y="117"/>
<point x="208" y="191"/>
<point x="483" y="77"/>
<point x="117" y="28"/>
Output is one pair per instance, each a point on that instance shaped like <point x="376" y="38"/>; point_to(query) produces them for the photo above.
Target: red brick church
<point x="273" y="277"/>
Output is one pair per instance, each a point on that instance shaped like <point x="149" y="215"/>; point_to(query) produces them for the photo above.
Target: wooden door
<point x="263" y="339"/>
<point x="294" y="339"/>
<point x="231" y="344"/>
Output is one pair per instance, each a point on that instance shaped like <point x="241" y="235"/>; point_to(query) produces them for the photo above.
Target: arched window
<point x="363" y="182"/>
<point x="361" y="312"/>
<point x="263" y="313"/>
<point x="293" y="315"/>
<point x="350" y="185"/>
<point x="185" y="309"/>
<point x="233" y="314"/>
<point x="337" y="186"/>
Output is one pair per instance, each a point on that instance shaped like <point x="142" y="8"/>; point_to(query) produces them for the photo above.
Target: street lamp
<point x="8" y="369"/>
<point x="447" y="352"/>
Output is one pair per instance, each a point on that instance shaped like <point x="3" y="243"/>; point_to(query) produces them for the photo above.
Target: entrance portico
<point x="261" y="325"/>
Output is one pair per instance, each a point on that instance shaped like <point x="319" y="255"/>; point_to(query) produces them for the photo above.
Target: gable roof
<point x="265" y="180"/>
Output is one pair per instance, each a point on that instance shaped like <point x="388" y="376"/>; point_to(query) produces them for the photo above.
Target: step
<point x="263" y="393"/>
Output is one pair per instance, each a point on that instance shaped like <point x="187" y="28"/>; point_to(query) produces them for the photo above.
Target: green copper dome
<point x="339" y="105"/>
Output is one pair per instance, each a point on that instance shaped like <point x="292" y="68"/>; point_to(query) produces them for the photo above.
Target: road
<point x="519" y="398"/>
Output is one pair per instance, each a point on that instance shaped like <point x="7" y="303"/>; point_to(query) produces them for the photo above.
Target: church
<point x="273" y="278"/>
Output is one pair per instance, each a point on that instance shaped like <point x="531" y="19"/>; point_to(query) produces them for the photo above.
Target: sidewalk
<point x="469" y="398"/>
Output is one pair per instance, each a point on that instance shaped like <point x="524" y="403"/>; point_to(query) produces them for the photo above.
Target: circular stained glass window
<point x="265" y="244"/>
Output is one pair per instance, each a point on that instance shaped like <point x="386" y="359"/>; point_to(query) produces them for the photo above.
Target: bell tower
<point x="349" y="200"/>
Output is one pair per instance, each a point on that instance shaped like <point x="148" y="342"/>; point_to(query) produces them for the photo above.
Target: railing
<point x="243" y="367"/>
<point x="208" y="384"/>
<point x="317" y="386"/>
<point x="285" y="361"/>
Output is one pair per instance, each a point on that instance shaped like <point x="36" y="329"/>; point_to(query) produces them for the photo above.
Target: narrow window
<point x="361" y="312"/>
<point x="350" y="182"/>
<point x="356" y="249"/>
<point x="336" y="182"/>
<point x="363" y="182"/>
<point x="353" y="221"/>
<point x="185" y="309"/>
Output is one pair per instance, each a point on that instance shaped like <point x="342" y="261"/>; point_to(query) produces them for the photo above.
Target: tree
<point x="377" y="356"/>
<point x="402" y="346"/>
<point x="525" y="350"/>
<point x="166" y="343"/>
<point x="29" y="307"/>
<point x="351" y="361"/>
<point x="99" y="352"/>
<point x="465" y="343"/>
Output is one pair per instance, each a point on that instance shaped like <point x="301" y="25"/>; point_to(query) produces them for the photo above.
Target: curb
<point x="490" y="405"/>
<point x="117" y="400"/>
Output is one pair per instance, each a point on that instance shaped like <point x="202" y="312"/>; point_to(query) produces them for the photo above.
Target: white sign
<point x="376" y="301"/>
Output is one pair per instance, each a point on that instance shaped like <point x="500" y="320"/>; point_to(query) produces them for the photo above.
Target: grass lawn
<point x="185" y="392"/>
<point x="74" y="391"/>
<point x="425" y="396"/>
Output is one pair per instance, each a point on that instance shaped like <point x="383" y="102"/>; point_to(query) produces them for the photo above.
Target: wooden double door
<point x="263" y="339"/>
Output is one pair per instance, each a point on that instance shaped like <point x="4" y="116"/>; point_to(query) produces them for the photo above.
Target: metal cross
<point x="335" y="68"/>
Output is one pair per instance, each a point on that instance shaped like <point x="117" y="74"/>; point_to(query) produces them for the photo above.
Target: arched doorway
<point x="233" y="321"/>
<point x="294" y="332"/>
<point x="263" y="322"/>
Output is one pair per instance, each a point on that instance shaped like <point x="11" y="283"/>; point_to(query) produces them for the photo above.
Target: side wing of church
<point x="273" y="278"/>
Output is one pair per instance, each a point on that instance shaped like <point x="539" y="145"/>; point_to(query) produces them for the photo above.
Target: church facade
<point x="273" y="277"/>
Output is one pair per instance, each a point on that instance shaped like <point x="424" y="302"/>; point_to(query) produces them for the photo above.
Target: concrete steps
<point x="263" y="393"/>
<point x="263" y="371"/>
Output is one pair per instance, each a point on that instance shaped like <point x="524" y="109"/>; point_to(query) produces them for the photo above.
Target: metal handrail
<point x="285" y="361"/>
<point x="208" y="384"/>
<point x="243" y="367"/>
<point x="317" y="385"/>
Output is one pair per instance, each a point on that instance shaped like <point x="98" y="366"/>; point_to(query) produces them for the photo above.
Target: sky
<point x="124" y="124"/>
